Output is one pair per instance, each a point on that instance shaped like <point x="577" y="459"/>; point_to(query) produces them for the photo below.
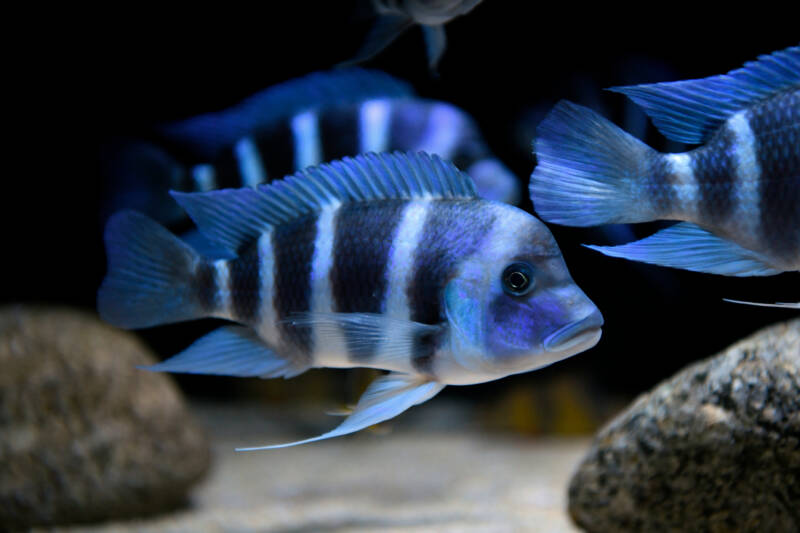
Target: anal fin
<point x="385" y="398"/>
<point x="690" y="247"/>
<point x="230" y="351"/>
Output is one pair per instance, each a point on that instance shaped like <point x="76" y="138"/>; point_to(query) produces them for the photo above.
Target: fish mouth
<point x="580" y="335"/>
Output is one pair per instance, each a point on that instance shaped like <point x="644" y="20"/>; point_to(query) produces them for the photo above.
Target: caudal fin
<point x="151" y="276"/>
<point x="587" y="170"/>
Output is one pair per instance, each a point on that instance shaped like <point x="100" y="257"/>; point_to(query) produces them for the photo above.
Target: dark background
<point x="79" y="80"/>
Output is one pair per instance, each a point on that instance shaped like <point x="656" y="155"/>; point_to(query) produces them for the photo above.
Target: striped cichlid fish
<point x="385" y="261"/>
<point x="737" y="196"/>
<point x="294" y="125"/>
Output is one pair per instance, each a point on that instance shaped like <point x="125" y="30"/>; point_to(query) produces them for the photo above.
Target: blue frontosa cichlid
<point x="386" y="261"/>
<point x="300" y="123"/>
<point x="737" y="196"/>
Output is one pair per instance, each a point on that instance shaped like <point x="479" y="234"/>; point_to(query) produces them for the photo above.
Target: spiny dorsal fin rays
<point x="385" y="398"/>
<point x="689" y="111"/>
<point x="234" y="218"/>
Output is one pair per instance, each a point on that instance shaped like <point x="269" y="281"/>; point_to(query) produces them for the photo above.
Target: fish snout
<point x="585" y="331"/>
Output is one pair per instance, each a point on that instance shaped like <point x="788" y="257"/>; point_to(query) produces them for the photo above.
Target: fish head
<point x="514" y="307"/>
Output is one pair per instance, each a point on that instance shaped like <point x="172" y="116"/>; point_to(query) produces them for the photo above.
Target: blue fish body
<point x="386" y="261"/>
<point x="294" y="125"/>
<point x="737" y="196"/>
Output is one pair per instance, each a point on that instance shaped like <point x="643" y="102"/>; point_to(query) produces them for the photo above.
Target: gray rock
<point x="84" y="434"/>
<point x="714" y="448"/>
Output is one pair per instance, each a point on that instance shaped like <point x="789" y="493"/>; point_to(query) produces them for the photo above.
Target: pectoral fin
<point x="369" y="336"/>
<point x="385" y="398"/>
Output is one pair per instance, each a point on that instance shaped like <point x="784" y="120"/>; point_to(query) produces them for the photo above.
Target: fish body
<point x="302" y="123"/>
<point x="397" y="16"/>
<point x="385" y="261"/>
<point x="737" y="196"/>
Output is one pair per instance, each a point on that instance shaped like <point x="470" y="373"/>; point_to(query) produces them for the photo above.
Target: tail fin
<point x="151" y="275"/>
<point x="587" y="170"/>
<point x="140" y="176"/>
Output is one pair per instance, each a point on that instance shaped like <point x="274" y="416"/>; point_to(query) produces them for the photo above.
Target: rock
<point x="85" y="435"/>
<point x="714" y="448"/>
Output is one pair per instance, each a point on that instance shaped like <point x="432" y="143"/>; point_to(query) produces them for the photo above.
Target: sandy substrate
<point x="417" y="478"/>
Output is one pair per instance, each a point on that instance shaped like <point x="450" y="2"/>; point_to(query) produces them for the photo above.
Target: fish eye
<point x="518" y="279"/>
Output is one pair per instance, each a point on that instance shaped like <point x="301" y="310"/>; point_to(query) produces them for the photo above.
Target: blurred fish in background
<point x="386" y="261"/>
<point x="738" y="195"/>
<point x="397" y="16"/>
<point x="291" y="126"/>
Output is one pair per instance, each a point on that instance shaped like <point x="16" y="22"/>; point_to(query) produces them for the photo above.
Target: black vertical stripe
<point x="408" y="124"/>
<point x="362" y="244"/>
<point x="339" y="132"/>
<point x="776" y="126"/>
<point x="424" y="350"/>
<point x="275" y="145"/>
<point x="293" y="248"/>
<point x="660" y="191"/>
<point x="453" y="231"/>
<point x="226" y="170"/>
<point x="205" y="285"/>
<point x="714" y="167"/>
<point x="245" y="286"/>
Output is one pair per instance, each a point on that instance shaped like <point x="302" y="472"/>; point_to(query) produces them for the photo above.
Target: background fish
<point x="738" y="195"/>
<point x="396" y="16"/>
<point x="300" y="123"/>
<point x="386" y="261"/>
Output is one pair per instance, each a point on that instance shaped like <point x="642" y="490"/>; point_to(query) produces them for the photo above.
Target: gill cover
<point x="466" y="317"/>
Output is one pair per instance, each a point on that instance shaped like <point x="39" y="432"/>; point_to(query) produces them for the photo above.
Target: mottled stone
<point x="84" y="434"/>
<point x="714" y="448"/>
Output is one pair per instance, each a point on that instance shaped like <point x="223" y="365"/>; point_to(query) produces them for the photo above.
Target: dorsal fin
<point x="234" y="218"/>
<point x="690" y="111"/>
<point x="209" y="133"/>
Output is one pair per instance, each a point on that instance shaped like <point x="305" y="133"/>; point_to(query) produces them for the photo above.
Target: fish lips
<point x="577" y="336"/>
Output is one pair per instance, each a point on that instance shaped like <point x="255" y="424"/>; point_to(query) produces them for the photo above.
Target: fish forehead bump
<point x="529" y="233"/>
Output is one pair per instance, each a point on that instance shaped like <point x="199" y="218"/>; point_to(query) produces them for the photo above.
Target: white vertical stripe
<point x="307" y="150"/>
<point x="222" y="282"/>
<point x="333" y="343"/>
<point x="748" y="174"/>
<point x="399" y="274"/>
<point x="250" y="165"/>
<point x="684" y="182"/>
<point x="400" y="266"/>
<point x="204" y="178"/>
<point x="268" y="316"/>
<point x="443" y="131"/>
<point x="374" y="122"/>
